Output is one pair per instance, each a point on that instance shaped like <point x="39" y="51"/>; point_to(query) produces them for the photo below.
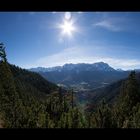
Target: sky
<point x="47" y="39"/>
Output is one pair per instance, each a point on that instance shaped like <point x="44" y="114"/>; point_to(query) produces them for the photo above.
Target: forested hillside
<point x="27" y="100"/>
<point x="124" y="112"/>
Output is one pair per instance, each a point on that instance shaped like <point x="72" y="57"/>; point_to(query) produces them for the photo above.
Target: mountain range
<point x="100" y="66"/>
<point x="82" y="76"/>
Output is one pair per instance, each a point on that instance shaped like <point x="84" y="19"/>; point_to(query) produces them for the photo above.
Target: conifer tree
<point x="60" y="95"/>
<point x="129" y="97"/>
<point x="10" y="102"/>
<point x="103" y="116"/>
<point x="72" y="98"/>
<point x="2" y="52"/>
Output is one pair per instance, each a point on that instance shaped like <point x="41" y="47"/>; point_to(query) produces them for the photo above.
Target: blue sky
<point x="34" y="39"/>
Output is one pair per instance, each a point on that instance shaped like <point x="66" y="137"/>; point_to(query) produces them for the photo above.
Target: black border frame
<point x="64" y="5"/>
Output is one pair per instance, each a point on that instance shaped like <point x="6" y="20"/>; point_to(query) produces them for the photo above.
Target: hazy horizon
<point x="48" y="39"/>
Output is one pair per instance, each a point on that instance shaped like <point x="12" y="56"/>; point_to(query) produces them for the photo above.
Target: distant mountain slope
<point x="31" y="82"/>
<point x="110" y="93"/>
<point x="94" y="97"/>
<point x="82" y="76"/>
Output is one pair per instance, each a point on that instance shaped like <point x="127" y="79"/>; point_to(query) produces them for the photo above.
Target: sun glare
<point x="67" y="27"/>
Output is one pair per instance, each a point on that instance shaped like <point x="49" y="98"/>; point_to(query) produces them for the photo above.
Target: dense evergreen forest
<point x="27" y="100"/>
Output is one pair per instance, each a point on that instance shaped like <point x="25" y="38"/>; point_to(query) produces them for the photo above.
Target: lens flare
<point x="67" y="15"/>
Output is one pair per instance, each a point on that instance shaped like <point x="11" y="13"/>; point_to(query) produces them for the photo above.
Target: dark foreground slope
<point x="22" y="94"/>
<point x="29" y="101"/>
<point x="31" y="82"/>
<point x="124" y="112"/>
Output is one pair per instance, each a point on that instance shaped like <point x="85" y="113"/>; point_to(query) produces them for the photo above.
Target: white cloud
<point x="68" y="55"/>
<point x="112" y="22"/>
<point x="108" y="25"/>
<point x="81" y="55"/>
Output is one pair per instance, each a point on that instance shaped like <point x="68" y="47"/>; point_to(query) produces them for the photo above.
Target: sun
<point x="67" y="27"/>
